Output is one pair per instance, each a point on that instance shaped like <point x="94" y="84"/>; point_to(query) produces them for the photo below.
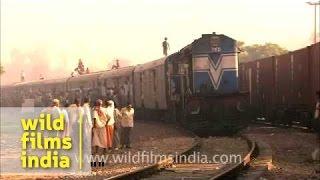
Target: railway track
<point x="294" y="125"/>
<point x="168" y="169"/>
<point x="151" y="169"/>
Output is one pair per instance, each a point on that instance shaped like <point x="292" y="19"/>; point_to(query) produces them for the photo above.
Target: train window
<point x="291" y="66"/>
<point x="155" y="87"/>
<point x="141" y="87"/>
<point x="216" y="49"/>
<point x="276" y="71"/>
<point x="170" y="68"/>
<point x="117" y="82"/>
<point x="258" y="77"/>
<point x="154" y="80"/>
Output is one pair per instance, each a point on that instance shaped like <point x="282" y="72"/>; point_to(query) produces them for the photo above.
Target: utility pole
<point x="315" y="4"/>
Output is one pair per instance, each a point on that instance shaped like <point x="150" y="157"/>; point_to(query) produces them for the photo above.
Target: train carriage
<point x="150" y="85"/>
<point x="264" y="83"/>
<point x="314" y="53"/>
<point x="7" y="96"/>
<point x="121" y="81"/>
<point x="283" y="88"/>
<point x="83" y="82"/>
<point x="54" y="86"/>
<point x="28" y="86"/>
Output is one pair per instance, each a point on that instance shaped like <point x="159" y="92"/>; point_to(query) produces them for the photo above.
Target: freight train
<point x="282" y="89"/>
<point x="196" y="86"/>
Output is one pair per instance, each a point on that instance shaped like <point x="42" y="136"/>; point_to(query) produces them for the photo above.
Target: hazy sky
<point x="57" y="32"/>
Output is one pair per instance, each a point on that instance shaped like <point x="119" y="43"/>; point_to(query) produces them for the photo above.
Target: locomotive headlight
<point x="240" y="106"/>
<point x="194" y="107"/>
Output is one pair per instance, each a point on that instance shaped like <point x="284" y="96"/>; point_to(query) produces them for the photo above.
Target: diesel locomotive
<point x="196" y="87"/>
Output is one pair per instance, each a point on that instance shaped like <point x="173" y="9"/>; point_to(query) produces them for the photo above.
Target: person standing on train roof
<point x="41" y="77"/>
<point x="165" y="46"/>
<point x="127" y="115"/>
<point x="80" y="67"/>
<point x="109" y="110"/>
<point x="22" y="76"/>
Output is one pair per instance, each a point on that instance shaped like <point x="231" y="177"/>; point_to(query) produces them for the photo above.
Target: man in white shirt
<point x="127" y="114"/>
<point x="87" y="122"/>
<point x="55" y="114"/>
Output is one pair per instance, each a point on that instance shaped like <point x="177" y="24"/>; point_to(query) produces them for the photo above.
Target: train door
<point x="154" y="83"/>
<point x="184" y="82"/>
<point x="179" y="88"/>
<point x="250" y="84"/>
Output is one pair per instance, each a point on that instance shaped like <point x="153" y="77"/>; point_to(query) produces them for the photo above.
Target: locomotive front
<point x="212" y="99"/>
<point x="215" y="65"/>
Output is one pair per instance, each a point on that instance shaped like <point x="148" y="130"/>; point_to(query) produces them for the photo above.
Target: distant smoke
<point x="50" y="65"/>
<point x="311" y="39"/>
<point x="33" y="64"/>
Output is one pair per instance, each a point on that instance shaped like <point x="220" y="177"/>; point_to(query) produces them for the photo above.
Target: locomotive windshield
<point x="215" y="65"/>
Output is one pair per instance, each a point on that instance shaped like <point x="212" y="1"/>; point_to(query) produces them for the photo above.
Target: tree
<point x="258" y="51"/>
<point x="1" y="70"/>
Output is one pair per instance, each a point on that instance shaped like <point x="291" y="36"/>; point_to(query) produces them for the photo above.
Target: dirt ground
<point x="201" y="163"/>
<point x="155" y="137"/>
<point x="224" y="145"/>
<point x="291" y="152"/>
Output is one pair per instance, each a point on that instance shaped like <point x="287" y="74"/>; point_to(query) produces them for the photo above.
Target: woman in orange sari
<point x="110" y="123"/>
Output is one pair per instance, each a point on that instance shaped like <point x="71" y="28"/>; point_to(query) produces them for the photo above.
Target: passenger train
<point x="196" y="86"/>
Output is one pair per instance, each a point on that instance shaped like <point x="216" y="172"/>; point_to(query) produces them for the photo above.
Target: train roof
<point x="55" y="81"/>
<point x="149" y="65"/>
<point x="83" y="77"/>
<point x="7" y="86"/>
<point x="117" y="72"/>
<point x="38" y="82"/>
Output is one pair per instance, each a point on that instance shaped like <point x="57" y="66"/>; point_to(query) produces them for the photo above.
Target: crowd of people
<point x="108" y="126"/>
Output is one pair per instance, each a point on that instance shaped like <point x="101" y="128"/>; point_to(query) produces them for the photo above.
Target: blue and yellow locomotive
<point x="203" y="86"/>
